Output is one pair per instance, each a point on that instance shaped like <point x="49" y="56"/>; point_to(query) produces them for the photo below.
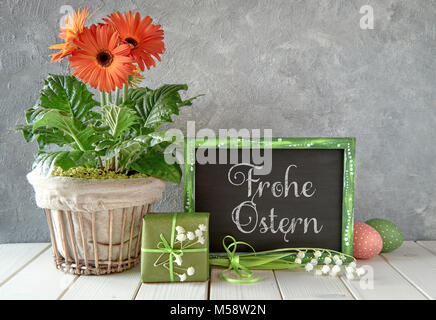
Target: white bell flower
<point x="182" y="277"/>
<point x="336" y="269"/>
<point x="198" y="233"/>
<point x="325" y="269"/>
<point x="180" y="229"/>
<point x="327" y="260"/>
<point x="349" y="269"/>
<point x="338" y="262"/>
<point x="190" y="235"/>
<point x="301" y="255"/>
<point x="352" y="264"/>
<point x="181" y="237"/>
<point x="202" y="227"/>
<point x="190" y="271"/>
<point x="178" y="260"/>
<point x="314" y="261"/>
<point x="360" y="271"/>
<point x="298" y="260"/>
<point x="317" y="254"/>
<point x="309" y="267"/>
<point x="201" y="239"/>
<point x="350" y="276"/>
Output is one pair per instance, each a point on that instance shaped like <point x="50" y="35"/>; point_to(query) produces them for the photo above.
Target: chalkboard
<point x="306" y="200"/>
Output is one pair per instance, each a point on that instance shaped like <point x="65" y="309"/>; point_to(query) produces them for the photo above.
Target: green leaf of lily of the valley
<point x="118" y="119"/>
<point x="67" y="94"/>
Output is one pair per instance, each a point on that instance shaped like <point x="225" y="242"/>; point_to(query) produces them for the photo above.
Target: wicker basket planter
<point x="95" y="225"/>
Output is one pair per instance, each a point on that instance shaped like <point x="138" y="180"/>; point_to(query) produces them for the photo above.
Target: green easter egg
<point x="392" y="235"/>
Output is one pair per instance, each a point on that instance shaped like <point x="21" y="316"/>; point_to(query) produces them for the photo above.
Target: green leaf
<point x="68" y="94"/>
<point x="45" y="162"/>
<point x="118" y="119"/>
<point x="153" y="163"/>
<point x="44" y="136"/>
<point x="84" y="137"/>
<point x="155" y="107"/>
<point x="129" y="151"/>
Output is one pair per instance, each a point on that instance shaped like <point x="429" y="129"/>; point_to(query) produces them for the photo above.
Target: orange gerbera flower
<point x="145" y="38"/>
<point x="74" y="25"/>
<point x="102" y="61"/>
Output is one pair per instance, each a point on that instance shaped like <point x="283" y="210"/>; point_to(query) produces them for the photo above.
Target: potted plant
<point x="107" y="166"/>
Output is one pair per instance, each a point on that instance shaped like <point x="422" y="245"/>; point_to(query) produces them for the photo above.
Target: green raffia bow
<point x="169" y="248"/>
<point x="278" y="259"/>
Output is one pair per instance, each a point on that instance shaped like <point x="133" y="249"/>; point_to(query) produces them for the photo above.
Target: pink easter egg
<point x="367" y="242"/>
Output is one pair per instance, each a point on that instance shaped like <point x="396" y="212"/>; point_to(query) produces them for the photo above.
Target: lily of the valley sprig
<point x="184" y="240"/>
<point x="328" y="262"/>
<point x="319" y="261"/>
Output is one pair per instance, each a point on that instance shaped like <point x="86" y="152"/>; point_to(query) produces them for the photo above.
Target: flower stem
<point x="100" y="163"/>
<point x="112" y="165"/>
<point x="109" y="97"/>
<point x="125" y="93"/>
<point x="117" y="96"/>
<point x="102" y="98"/>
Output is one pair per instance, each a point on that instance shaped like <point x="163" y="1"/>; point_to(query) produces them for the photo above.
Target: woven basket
<point x="95" y="225"/>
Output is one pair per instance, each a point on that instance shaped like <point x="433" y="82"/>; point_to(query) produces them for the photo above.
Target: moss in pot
<point x="110" y="167"/>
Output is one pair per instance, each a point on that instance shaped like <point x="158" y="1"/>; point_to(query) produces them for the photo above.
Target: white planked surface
<point x="38" y="280"/>
<point x="27" y="272"/>
<point x="381" y="282"/>
<point x="302" y="285"/>
<point x="429" y="245"/>
<point x="264" y="290"/>
<point x="173" y="291"/>
<point x="15" y="256"/>
<point x="417" y="265"/>
<point x="117" y="286"/>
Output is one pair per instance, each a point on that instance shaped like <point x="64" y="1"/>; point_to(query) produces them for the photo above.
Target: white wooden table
<point x="27" y="272"/>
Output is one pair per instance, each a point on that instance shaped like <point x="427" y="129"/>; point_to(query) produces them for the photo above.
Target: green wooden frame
<point x="346" y="144"/>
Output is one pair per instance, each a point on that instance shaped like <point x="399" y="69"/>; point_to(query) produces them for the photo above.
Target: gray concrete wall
<point x="303" y="68"/>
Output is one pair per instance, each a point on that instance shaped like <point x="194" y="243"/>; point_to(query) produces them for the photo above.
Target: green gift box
<point x="175" y="247"/>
